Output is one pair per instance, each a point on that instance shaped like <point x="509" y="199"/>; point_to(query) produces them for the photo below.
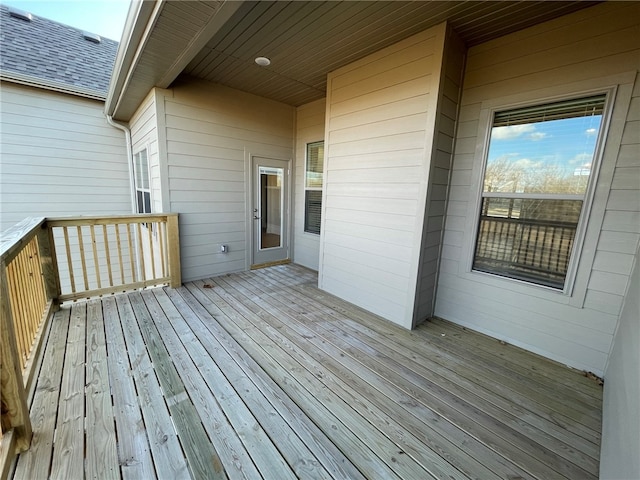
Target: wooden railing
<point x="104" y="255"/>
<point x="47" y="261"/>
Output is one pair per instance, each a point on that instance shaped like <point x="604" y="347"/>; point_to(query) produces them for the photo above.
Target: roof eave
<point x="140" y="48"/>
<point x="138" y="26"/>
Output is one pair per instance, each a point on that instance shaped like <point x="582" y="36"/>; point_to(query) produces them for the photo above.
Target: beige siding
<point x="211" y="133"/>
<point x="442" y="151"/>
<point x="309" y="128"/>
<point x="594" y="48"/>
<point x="144" y="134"/>
<point x="59" y="157"/>
<point x="621" y="415"/>
<point x="380" y="119"/>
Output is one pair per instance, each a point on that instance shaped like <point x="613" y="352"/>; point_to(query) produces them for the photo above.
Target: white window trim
<point x="135" y="178"/>
<point x="315" y="189"/>
<point x="584" y="252"/>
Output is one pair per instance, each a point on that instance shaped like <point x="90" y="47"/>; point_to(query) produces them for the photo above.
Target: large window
<point x="141" y="171"/>
<point x="313" y="187"/>
<point x="539" y="164"/>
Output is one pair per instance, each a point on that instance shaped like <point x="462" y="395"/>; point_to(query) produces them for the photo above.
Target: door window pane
<point x="271" y="210"/>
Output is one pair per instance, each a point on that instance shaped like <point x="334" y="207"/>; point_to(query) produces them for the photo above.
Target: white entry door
<point x="270" y="210"/>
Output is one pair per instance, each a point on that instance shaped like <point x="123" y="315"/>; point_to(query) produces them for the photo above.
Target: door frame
<point x="249" y="202"/>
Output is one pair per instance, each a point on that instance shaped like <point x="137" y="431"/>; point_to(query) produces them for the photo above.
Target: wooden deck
<point x="261" y="375"/>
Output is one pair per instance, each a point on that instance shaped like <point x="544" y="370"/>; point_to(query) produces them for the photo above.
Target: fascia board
<point x="51" y="85"/>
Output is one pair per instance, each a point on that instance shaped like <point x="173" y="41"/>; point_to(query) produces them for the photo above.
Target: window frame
<point x="485" y="125"/>
<point x="306" y="188"/>
<point x="136" y="187"/>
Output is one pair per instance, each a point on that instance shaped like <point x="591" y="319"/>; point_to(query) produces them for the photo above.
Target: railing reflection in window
<point x="532" y="250"/>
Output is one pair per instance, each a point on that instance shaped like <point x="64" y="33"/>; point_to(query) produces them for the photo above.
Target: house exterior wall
<point x="59" y="157"/>
<point x="621" y="413"/>
<point x="590" y="50"/>
<point x="381" y="113"/>
<point x="309" y="128"/>
<point x="211" y="133"/>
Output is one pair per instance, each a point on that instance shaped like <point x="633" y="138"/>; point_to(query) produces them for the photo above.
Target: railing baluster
<point x="83" y="259"/>
<point x="107" y="254"/>
<point x="151" y="249"/>
<point x="94" y="248"/>
<point x="32" y="292"/>
<point x="69" y="262"/>
<point x="119" y="248"/>
<point x="23" y="295"/>
<point x="16" y="301"/>
<point x="143" y="270"/>
<point x="162" y="232"/>
<point x="131" y="259"/>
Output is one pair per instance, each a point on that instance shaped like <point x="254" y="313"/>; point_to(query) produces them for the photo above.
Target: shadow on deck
<point x="261" y="375"/>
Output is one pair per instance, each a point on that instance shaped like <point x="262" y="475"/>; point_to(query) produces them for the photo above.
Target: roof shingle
<point x="48" y="51"/>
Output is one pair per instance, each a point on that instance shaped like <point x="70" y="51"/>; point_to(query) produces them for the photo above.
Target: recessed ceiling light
<point x="263" y="61"/>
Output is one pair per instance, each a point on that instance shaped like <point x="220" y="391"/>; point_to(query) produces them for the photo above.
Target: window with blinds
<point x="539" y="165"/>
<point x="141" y="174"/>
<point x="313" y="182"/>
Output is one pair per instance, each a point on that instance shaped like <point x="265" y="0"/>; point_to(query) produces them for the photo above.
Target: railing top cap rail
<point x="107" y="219"/>
<point x="15" y="238"/>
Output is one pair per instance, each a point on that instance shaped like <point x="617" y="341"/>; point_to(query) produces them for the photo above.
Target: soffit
<point x="217" y="41"/>
<point x="175" y="29"/>
<point x="306" y="40"/>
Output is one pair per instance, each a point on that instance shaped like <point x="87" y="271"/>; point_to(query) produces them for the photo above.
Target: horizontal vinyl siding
<point x="620" y="412"/>
<point x="442" y="151"/>
<point x="144" y="134"/>
<point x="590" y="44"/>
<point x="618" y="243"/>
<point x="379" y="121"/>
<point x="59" y="157"/>
<point x="310" y="120"/>
<point x="210" y="132"/>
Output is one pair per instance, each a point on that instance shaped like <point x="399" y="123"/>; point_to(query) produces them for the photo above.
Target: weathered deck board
<point x="163" y="440"/>
<point x="134" y="452"/>
<point x="102" y="454"/>
<point x="262" y="375"/>
<point x="70" y="423"/>
<point x="257" y="380"/>
<point x="424" y="398"/>
<point x="423" y="345"/>
<point x="202" y="459"/>
<point x="223" y="380"/>
<point x="254" y="320"/>
<point x="36" y="462"/>
<point x="392" y="363"/>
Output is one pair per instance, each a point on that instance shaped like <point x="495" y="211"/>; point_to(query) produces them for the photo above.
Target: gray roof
<point x="46" y="53"/>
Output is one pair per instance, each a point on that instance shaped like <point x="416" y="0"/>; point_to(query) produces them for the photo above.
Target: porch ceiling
<point x="218" y="41"/>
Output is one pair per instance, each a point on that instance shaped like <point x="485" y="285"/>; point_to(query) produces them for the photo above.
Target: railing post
<point x="173" y="251"/>
<point x="49" y="262"/>
<point x="15" y="411"/>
